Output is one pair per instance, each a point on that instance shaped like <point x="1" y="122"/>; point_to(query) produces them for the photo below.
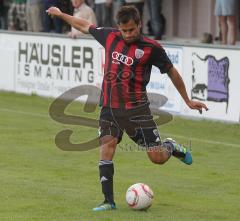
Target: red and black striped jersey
<point x="127" y="67"/>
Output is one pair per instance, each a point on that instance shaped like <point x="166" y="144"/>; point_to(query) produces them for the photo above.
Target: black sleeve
<point x="100" y="33"/>
<point x="160" y="59"/>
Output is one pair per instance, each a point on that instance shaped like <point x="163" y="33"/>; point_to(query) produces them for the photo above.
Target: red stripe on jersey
<point x="139" y="71"/>
<point x="109" y="41"/>
<point x="126" y="73"/>
<point x="114" y="90"/>
<point x="115" y="103"/>
<point x="113" y="67"/>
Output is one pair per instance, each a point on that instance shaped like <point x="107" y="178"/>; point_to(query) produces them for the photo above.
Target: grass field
<point x="41" y="182"/>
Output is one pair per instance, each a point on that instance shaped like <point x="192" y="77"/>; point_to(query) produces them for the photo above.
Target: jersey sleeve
<point x="100" y="33"/>
<point x="161" y="60"/>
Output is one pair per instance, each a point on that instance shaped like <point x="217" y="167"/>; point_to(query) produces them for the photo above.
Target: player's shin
<point x="106" y="170"/>
<point x="179" y="151"/>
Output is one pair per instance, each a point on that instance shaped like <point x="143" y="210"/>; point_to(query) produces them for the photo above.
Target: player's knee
<point x="158" y="155"/>
<point x="108" y="141"/>
<point x="158" y="161"/>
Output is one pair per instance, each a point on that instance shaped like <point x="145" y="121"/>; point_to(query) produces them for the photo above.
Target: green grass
<point x="41" y="182"/>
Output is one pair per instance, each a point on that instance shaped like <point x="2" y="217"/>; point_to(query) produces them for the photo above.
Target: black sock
<point x="106" y="171"/>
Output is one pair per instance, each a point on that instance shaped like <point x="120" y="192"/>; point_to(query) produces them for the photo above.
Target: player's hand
<point x="54" y="11"/>
<point x="197" y="105"/>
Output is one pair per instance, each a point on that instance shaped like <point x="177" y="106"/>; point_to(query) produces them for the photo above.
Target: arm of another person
<point x="78" y="23"/>
<point x="180" y="86"/>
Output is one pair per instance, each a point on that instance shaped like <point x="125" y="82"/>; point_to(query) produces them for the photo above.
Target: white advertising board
<point x="49" y="66"/>
<point x="7" y="64"/>
<point x="161" y="83"/>
<point x="212" y="76"/>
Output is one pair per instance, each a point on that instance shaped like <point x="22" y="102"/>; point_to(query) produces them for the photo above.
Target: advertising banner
<point x="7" y="65"/>
<point x="161" y="83"/>
<point x="212" y="76"/>
<point x="49" y="66"/>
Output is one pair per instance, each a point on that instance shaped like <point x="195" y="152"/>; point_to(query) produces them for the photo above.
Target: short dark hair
<point x="126" y="13"/>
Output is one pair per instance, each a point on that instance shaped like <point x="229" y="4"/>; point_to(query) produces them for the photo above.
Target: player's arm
<point x="180" y="86"/>
<point x="78" y="23"/>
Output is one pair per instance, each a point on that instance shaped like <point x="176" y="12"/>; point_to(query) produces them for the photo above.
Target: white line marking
<point x="201" y="140"/>
<point x="24" y="113"/>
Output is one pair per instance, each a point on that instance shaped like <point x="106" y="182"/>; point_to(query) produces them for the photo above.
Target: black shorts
<point x="138" y="123"/>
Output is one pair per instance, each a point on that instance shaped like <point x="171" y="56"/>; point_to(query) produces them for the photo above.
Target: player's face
<point x="130" y="31"/>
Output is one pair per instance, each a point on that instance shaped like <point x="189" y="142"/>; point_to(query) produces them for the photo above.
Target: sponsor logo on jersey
<point x="121" y="58"/>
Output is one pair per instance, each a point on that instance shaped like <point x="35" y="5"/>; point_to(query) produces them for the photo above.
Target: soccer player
<point x="125" y="106"/>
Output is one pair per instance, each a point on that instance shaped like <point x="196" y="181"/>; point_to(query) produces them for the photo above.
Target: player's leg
<point x="179" y="151"/>
<point x="106" y="171"/>
<point x="109" y="136"/>
<point x="160" y="154"/>
<point x="106" y="167"/>
<point x="143" y="130"/>
<point x="108" y="146"/>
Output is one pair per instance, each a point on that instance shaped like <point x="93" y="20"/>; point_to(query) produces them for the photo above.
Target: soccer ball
<point x="139" y="196"/>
